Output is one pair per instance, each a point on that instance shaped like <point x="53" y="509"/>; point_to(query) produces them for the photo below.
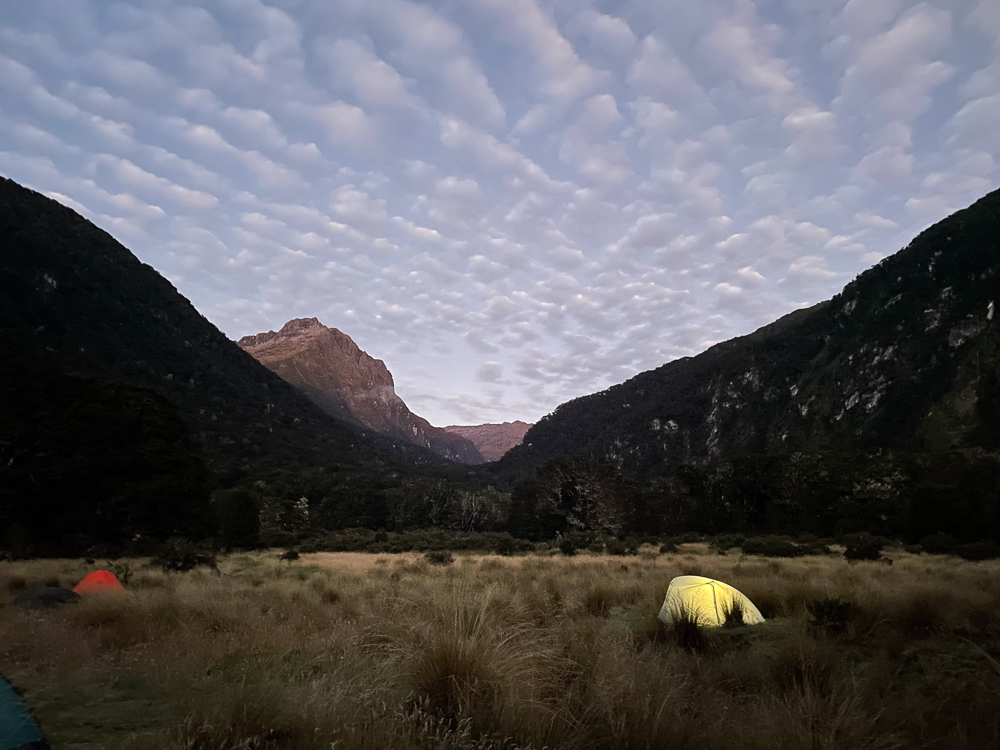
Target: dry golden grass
<point x="346" y="650"/>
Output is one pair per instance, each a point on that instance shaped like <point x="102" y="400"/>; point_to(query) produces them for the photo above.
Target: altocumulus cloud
<point x="511" y="202"/>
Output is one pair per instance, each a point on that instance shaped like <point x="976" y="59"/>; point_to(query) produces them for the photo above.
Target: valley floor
<point x="351" y="650"/>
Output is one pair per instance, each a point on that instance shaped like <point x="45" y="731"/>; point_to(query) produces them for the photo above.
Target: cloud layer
<point x="511" y="202"/>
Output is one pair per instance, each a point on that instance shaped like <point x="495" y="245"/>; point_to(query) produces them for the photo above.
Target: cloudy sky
<point x="511" y="202"/>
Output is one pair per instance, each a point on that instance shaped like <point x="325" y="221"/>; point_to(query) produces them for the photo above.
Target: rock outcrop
<point x="492" y="440"/>
<point x="343" y="380"/>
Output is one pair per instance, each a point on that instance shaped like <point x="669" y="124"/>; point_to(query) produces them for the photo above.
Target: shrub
<point x="771" y="546"/>
<point x="939" y="544"/>
<point x="863" y="546"/>
<point x="619" y="548"/>
<point x="725" y="542"/>
<point x="275" y="537"/>
<point x="178" y="555"/>
<point x="688" y="537"/>
<point x="409" y="540"/>
<point x="290" y="555"/>
<point x="439" y="557"/>
<point x="668" y="547"/>
<point x="505" y="546"/>
<point x="567" y="546"/>
<point x="123" y="571"/>
<point x="985" y="549"/>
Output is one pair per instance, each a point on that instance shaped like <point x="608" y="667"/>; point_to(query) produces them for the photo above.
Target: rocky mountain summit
<point x="492" y="440"/>
<point x="343" y="380"/>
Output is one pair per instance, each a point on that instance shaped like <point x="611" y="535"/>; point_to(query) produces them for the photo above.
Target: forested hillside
<point x="106" y="369"/>
<point x="820" y="418"/>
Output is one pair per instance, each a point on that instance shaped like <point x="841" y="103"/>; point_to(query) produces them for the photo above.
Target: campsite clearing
<point x="388" y="651"/>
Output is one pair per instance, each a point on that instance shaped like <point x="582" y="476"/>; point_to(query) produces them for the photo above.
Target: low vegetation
<point x="536" y="650"/>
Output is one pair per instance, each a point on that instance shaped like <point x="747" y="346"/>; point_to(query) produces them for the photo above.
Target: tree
<point x="239" y="517"/>
<point x="581" y="494"/>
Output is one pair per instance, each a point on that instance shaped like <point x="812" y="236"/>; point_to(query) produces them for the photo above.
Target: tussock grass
<point x="388" y="651"/>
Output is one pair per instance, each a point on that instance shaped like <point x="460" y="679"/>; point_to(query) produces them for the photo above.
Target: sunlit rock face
<point x="343" y="380"/>
<point x="492" y="440"/>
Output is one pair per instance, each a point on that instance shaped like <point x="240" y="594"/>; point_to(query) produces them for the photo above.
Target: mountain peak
<point x="492" y="440"/>
<point x="344" y="380"/>
<point x="302" y="324"/>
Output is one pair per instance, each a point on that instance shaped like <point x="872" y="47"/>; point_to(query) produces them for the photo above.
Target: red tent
<point x="98" y="580"/>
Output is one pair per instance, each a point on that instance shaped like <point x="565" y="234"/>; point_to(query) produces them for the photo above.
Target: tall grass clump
<point x="733" y="614"/>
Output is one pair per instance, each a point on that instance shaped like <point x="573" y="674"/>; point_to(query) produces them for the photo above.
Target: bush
<point x="863" y="546"/>
<point x="411" y="540"/>
<point x="771" y="546"/>
<point x="939" y="544"/>
<point x="815" y="548"/>
<point x="290" y="555"/>
<point x="123" y="571"/>
<point x="620" y="548"/>
<point x="178" y="555"/>
<point x="688" y="537"/>
<point x="505" y="546"/>
<point x="668" y="547"/>
<point x="567" y="546"/>
<point x="985" y="549"/>
<point x="439" y="557"/>
<point x="725" y="542"/>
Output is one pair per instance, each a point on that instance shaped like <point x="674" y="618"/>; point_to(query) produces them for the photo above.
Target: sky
<point x="510" y="202"/>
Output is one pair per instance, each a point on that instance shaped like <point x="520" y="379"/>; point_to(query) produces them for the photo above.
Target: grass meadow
<point x="343" y="651"/>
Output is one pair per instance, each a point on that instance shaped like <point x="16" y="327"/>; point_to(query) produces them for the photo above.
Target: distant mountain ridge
<point x="906" y="357"/>
<point x="492" y="440"/>
<point x="340" y="378"/>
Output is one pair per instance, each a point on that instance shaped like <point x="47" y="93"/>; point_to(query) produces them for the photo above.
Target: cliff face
<point x="904" y="358"/>
<point x="492" y="440"/>
<point x="326" y="365"/>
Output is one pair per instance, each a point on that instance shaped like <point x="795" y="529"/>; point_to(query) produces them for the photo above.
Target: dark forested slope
<point x="79" y="314"/>
<point x="906" y="357"/>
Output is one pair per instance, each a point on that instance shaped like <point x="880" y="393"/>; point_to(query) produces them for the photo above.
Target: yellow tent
<point x="707" y="600"/>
